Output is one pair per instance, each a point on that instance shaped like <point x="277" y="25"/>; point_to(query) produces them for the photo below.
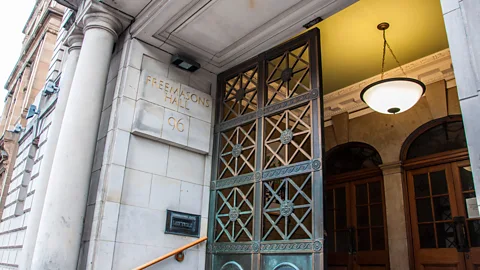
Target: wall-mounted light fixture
<point x="18" y="129"/>
<point x="185" y="63"/>
<point x="32" y="111"/>
<point x="50" y="88"/>
<point x="393" y="95"/>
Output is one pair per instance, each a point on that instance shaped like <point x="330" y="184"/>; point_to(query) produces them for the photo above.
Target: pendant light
<point x="393" y="95"/>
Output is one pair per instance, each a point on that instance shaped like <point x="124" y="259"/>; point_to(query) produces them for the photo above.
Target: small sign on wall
<point x="472" y="208"/>
<point x="182" y="224"/>
<point x="174" y="113"/>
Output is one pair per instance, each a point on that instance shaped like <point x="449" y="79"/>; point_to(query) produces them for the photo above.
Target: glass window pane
<point x="446" y="235"/>
<point x="421" y="185"/>
<point x="442" y="208"/>
<point x="424" y="210"/>
<point x="330" y="222"/>
<point x="341" y="219"/>
<point x="376" y="215"/>
<point x="342" y="241"/>
<point x="378" y="239"/>
<point x="340" y="198"/>
<point x="363" y="239"/>
<point x="438" y="181"/>
<point x="330" y="241"/>
<point x="427" y="236"/>
<point x="375" y="190"/>
<point x="362" y="216"/>
<point x="467" y="178"/>
<point x="474" y="230"/>
<point x="329" y="199"/>
<point x="444" y="137"/>
<point x="361" y="194"/>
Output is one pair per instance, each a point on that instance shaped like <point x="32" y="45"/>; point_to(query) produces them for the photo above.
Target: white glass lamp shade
<point x="392" y="96"/>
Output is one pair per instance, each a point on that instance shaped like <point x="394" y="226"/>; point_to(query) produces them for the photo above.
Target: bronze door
<point x="445" y="234"/>
<point x="356" y="225"/>
<point x="268" y="162"/>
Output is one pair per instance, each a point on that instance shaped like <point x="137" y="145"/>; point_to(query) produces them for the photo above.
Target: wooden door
<point x="469" y="229"/>
<point x="368" y="211"/>
<point x="433" y="206"/>
<point x="338" y="225"/>
<point x="356" y="225"/>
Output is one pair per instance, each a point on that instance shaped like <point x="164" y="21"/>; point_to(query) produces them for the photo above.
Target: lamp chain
<point x="385" y="45"/>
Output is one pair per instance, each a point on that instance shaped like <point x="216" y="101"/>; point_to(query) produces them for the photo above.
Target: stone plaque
<point x="173" y="113"/>
<point x="182" y="224"/>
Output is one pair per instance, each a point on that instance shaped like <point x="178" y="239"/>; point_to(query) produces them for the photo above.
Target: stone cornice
<point x="429" y="69"/>
<point x="391" y="168"/>
<point x="71" y="4"/>
<point x="28" y="53"/>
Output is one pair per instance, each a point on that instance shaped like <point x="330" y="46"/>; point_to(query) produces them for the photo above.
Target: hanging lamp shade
<point x="393" y="95"/>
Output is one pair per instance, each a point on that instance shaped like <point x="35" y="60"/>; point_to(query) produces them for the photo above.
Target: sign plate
<point x="173" y="113"/>
<point x="182" y="224"/>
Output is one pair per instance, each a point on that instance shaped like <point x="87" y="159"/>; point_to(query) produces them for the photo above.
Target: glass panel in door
<point x="337" y="221"/>
<point x="468" y="208"/>
<point x="369" y="222"/>
<point x="432" y="210"/>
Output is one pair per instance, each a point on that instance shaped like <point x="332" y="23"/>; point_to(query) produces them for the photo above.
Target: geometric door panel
<point x="266" y="200"/>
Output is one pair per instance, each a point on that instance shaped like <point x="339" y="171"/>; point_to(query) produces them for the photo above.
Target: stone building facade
<point x="131" y="136"/>
<point x="27" y="80"/>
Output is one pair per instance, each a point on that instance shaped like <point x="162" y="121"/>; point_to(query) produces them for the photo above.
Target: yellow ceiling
<point x="352" y="45"/>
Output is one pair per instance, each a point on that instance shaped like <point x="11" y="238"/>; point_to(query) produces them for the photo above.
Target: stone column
<point x="462" y="23"/>
<point x="74" y="43"/>
<point x="396" y="221"/>
<point x="10" y="144"/>
<point x="59" y="234"/>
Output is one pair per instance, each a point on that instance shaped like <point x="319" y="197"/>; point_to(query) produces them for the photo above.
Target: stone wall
<point x="462" y="23"/>
<point x="135" y="179"/>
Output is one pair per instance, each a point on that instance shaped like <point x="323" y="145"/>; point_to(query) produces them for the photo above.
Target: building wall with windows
<point x="21" y="140"/>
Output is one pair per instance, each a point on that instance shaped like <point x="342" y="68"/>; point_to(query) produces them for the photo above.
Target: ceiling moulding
<point x="171" y="25"/>
<point x="429" y="69"/>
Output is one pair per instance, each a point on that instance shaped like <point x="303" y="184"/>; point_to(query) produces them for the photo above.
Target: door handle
<point x="461" y="240"/>
<point x="352" y="243"/>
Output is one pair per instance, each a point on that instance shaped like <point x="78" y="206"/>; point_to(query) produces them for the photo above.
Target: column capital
<point x="102" y="20"/>
<point x="74" y="40"/>
<point x="391" y="168"/>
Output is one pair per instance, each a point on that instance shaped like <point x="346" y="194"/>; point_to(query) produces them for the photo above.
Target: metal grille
<point x="237" y="151"/>
<point x="267" y="195"/>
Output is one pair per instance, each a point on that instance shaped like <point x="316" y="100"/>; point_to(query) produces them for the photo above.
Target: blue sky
<point x="13" y="16"/>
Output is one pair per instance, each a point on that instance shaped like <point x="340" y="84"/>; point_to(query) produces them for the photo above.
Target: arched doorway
<point x="445" y="226"/>
<point x="355" y="208"/>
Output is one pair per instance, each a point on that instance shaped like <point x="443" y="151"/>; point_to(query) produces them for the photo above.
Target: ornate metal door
<point x="266" y="202"/>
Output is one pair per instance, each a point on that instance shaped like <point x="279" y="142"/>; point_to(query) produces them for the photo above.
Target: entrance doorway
<point x="445" y="225"/>
<point x="355" y="209"/>
<point x="266" y="208"/>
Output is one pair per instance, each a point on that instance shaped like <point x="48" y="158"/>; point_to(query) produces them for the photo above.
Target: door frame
<point x="458" y="155"/>
<point x="257" y="251"/>
<point x="363" y="175"/>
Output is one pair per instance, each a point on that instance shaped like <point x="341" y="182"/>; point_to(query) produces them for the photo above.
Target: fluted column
<point x="74" y="43"/>
<point x="59" y="234"/>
